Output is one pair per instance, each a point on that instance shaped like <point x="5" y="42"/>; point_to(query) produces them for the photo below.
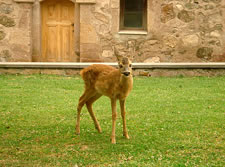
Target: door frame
<point x="37" y="31"/>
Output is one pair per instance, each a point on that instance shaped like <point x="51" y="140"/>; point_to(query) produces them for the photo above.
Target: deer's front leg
<point x="114" y="114"/>
<point x="123" y="114"/>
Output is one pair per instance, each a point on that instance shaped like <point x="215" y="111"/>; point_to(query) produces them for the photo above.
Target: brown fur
<point x="106" y="80"/>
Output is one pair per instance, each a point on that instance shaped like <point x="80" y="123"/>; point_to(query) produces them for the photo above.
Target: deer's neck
<point x="126" y="82"/>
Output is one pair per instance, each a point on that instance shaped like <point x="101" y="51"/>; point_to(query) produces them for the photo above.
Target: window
<point x="133" y="14"/>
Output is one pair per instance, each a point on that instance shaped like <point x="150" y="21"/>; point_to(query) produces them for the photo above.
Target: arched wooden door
<point x="57" y="30"/>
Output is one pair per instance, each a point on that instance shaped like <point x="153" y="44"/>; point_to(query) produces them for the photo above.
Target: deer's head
<point x="124" y="63"/>
<point x="125" y="66"/>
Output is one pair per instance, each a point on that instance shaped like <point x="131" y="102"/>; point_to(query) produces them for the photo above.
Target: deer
<point x="104" y="80"/>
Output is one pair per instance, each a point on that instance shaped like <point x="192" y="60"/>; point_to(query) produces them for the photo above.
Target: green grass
<point x="171" y="121"/>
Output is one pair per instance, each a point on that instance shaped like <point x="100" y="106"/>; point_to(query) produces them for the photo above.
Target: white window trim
<point x="25" y="1"/>
<point x="133" y="32"/>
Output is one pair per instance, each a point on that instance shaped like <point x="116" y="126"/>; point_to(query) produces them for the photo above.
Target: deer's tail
<point x="89" y="76"/>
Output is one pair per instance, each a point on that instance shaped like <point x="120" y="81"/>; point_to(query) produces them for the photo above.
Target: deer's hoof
<point x="99" y="129"/>
<point x="77" y="131"/>
<point x="126" y="136"/>
<point x="113" y="140"/>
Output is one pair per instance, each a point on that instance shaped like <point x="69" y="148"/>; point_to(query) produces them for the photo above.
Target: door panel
<point x="66" y="46"/>
<point x="51" y="48"/>
<point x="57" y="30"/>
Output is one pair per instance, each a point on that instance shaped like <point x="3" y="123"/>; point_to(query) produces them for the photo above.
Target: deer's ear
<point x="116" y="53"/>
<point x="132" y="53"/>
<point x="131" y="58"/>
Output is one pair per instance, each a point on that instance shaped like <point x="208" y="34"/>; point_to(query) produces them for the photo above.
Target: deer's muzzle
<point x="126" y="73"/>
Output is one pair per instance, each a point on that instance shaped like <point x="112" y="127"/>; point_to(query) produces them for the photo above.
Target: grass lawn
<point x="171" y="121"/>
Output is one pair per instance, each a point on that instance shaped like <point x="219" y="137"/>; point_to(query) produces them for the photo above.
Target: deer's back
<point x="96" y="73"/>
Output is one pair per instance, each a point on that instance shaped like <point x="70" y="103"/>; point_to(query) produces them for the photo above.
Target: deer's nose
<point x="126" y="73"/>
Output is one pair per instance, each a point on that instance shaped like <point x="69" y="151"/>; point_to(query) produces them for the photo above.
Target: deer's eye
<point x="121" y="66"/>
<point x="130" y="65"/>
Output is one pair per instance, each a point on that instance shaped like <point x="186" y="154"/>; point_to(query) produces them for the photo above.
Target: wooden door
<point x="57" y="31"/>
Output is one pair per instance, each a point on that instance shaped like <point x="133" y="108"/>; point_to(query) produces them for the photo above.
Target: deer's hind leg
<point x="88" y="93"/>
<point x="90" y="110"/>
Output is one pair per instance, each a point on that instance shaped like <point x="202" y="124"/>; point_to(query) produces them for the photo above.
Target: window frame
<point x="144" y="17"/>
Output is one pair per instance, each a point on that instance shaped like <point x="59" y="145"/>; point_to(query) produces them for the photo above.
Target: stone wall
<point x="178" y="31"/>
<point x="15" y="31"/>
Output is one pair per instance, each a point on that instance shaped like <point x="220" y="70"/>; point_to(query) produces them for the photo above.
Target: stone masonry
<point x="177" y="31"/>
<point x="15" y="31"/>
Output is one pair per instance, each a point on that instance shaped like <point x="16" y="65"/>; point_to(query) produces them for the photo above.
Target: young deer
<point x="106" y="80"/>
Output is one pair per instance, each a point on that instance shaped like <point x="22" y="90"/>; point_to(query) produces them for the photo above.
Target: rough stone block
<point x="115" y="4"/>
<point x="167" y="13"/>
<point x="90" y="60"/>
<point x="107" y="53"/>
<point x="89" y="55"/>
<point x="115" y="21"/>
<point x="72" y="72"/>
<point x="5" y="56"/>
<point x="52" y="71"/>
<point x="90" y="47"/>
<point x="186" y="16"/>
<point x="2" y="35"/>
<point x="24" y="20"/>
<point x="90" y="52"/>
<point x="5" y="8"/>
<point x="88" y="34"/>
<point x="101" y="17"/>
<point x="152" y="60"/>
<point x="205" y="52"/>
<point x="20" y="54"/>
<point x="21" y="38"/>
<point x="190" y="40"/>
<point x="86" y="15"/>
<point x="7" y="21"/>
